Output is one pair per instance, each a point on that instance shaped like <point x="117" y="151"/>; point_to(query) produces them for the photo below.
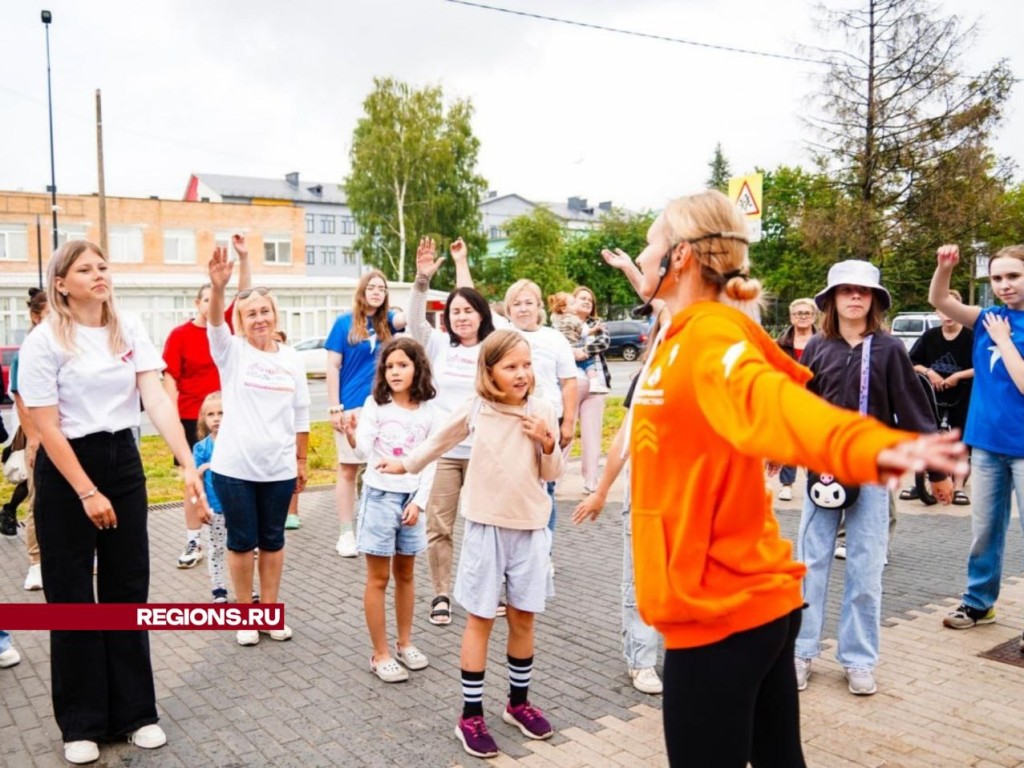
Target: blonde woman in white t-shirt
<point x="260" y="459"/>
<point x="82" y="372"/>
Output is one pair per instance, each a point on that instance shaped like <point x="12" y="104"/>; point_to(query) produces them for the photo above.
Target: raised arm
<point x="946" y="258"/>
<point x="244" y="265"/>
<point x="460" y="255"/>
<point x="220" y="273"/>
<point x="416" y="313"/>
<point x="622" y="261"/>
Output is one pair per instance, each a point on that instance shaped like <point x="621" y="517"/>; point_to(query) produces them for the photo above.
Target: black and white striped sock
<point x="519" y="672"/>
<point x="472" y="693"/>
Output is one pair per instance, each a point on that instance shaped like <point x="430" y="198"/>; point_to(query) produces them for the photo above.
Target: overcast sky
<point x="264" y="87"/>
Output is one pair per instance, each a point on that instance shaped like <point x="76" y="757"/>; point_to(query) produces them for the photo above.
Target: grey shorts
<point x="490" y="554"/>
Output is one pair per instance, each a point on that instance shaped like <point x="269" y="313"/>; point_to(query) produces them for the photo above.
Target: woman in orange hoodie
<point x="716" y="398"/>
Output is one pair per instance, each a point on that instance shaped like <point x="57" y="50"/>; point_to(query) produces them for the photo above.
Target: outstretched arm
<point x="621" y="261"/>
<point x="591" y="506"/>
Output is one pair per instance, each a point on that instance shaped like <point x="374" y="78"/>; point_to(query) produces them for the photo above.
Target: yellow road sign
<point x="745" y="191"/>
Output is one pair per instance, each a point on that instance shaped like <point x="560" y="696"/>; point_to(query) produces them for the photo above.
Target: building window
<point x="329" y="255"/>
<point x="348" y="225"/>
<point x="277" y="249"/>
<point x="67" y="232"/>
<point x="179" y="246"/>
<point x="310" y="224"/>
<point x="13" y="242"/>
<point x="326" y="225"/>
<point x="348" y="256"/>
<point x="310" y="255"/>
<point x="125" y="244"/>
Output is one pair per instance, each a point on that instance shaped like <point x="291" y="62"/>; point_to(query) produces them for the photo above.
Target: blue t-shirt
<point x="357" y="361"/>
<point x="202" y="452"/>
<point x="997" y="406"/>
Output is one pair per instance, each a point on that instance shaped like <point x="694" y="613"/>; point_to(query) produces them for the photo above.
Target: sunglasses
<point x="250" y="291"/>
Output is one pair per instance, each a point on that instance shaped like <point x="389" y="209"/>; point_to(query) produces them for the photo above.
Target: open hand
<point x="617" y="258"/>
<point x="426" y="264"/>
<point x="998" y="327"/>
<point x="220" y="268"/>
<point x="238" y="243"/>
<point x="938" y="451"/>
<point x="588" y="509"/>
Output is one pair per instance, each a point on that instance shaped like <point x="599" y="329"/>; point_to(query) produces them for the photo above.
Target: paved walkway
<point x="313" y="702"/>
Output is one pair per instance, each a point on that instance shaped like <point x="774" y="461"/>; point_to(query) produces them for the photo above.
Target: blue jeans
<point x="994" y="476"/>
<point x="254" y="512"/>
<point x="639" y="641"/>
<point x="5" y="641"/>
<point x="867" y="538"/>
<point x="554" y="510"/>
<point x="787" y="475"/>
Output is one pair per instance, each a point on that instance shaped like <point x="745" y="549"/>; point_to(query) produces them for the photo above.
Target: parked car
<point x="313" y="355"/>
<point x="6" y="356"/>
<point x="910" y="326"/>
<point x="627" y="338"/>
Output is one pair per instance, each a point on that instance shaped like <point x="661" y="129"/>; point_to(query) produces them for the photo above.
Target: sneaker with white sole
<point x="966" y="617"/>
<point x="191" y="556"/>
<point x="861" y="681"/>
<point x="280" y="635"/>
<point x="148" y="737"/>
<point x="412" y="657"/>
<point x="786" y="493"/>
<point x="9" y="658"/>
<point x="346" y="546"/>
<point x="34" y="577"/>
<point x="803" y="672"/>
<point x="81" y="752"/>
<point x="247" y="637"/>
<point x="646" y="680"/>
<point x="840" y="553"/>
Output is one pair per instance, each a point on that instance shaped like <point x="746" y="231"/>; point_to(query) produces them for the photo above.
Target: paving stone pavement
<point x="313" y="702"/>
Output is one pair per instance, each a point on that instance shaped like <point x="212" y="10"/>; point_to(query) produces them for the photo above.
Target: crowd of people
<point x="437" y="418"/>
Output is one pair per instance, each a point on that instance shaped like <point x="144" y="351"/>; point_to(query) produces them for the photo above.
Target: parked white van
<point x="910" y="326"/>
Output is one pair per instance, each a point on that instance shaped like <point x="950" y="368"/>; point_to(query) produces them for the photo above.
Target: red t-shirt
<point x="187" y="354"/>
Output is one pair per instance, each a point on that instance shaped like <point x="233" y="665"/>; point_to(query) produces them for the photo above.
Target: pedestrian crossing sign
<point x="745" y="191"/>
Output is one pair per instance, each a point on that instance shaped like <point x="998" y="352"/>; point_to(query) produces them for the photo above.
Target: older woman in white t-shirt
<point x="453" y="358"/>
<point x="82" y="372"/>
<point x="260" y="459"/>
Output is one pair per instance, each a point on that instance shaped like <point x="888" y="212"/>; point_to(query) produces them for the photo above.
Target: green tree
<point x="719" y="171"/>
<point x="896" y="114"/>
<point x="536" y="242"/>
<point x="413" y="174"/>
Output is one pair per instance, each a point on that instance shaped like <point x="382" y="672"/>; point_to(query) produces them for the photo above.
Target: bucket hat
<point x="855" y="272"/>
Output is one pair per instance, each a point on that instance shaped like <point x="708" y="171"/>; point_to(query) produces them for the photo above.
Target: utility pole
<point x="47" y="17"/>
<point x="102" y="184"/>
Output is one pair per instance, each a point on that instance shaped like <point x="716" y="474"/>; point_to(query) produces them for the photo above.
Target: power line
<point x="634" y="33"/>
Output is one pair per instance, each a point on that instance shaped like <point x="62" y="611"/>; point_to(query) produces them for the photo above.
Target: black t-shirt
<point x="946" y="357"/>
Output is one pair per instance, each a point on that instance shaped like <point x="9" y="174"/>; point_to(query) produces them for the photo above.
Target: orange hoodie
<point x="717" y="399"/>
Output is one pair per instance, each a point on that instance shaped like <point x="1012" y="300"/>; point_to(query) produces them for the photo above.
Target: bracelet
<point x="88" y="494"/>
<point x="300" y="458"/>
<point x="336" y="409"/>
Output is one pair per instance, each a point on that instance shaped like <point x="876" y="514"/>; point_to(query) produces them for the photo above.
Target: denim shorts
<point x="254" y="512"/>
<point x="381" y="532"/>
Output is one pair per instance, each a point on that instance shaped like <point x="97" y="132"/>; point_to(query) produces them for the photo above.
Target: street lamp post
<point x="47" y="18"/>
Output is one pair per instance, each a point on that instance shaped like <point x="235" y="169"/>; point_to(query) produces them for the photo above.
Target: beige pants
<point x="31" y="543"/>
<point x="442" y="510"/>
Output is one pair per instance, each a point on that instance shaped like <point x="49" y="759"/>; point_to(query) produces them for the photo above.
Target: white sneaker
<point x="646" y="680"/>
<point x="148" y="737"/>
<point x="861" y="681"/>
<point x="803" y="672"/>
<point x="34" y="577"/>
<point x="840" y="553"/>
<point x="786" y="493"/>
<point x="247" y="637"/>
<point x="191" y="556"/>
<point x="81" y="752"/>
<point x="9" y="658"/>
<point x="278" y="634"/>
<point x="346" y="546"/>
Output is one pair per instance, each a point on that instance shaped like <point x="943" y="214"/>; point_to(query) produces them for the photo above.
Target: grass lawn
<point x="163" y="482"/>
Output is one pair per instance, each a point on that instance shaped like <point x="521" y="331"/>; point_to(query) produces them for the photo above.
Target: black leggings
<point x="19" y="495"/>
<point x="735" y="701"/>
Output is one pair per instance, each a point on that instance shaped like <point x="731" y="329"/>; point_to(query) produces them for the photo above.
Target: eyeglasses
<point x="249" y="292"/>
<point x="801" y="314"/>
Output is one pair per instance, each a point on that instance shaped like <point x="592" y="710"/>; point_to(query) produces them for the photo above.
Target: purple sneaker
<point x="476" y="740"/>
<point x="529" y="720"/>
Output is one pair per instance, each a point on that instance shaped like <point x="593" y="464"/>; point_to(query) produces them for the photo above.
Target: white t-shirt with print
<point x="94" y="389"/>
<point x="454" y="370"/>
<point x="266" y="401"/>
<point x="391" y="432"/>
<point x="552" y="361"/>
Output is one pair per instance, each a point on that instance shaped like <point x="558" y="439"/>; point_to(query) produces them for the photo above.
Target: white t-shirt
<point x="94" y="389"/>
<point x="552" y="361"/>
<point x="266" y="401"/>
<point x="391" y="432"/>
<point x="454" y="371"/>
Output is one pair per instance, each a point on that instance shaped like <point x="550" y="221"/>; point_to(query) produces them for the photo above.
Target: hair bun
<point x="33" y="291"/>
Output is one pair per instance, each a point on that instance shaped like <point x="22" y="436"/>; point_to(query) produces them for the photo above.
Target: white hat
<point x="855" y="272"/>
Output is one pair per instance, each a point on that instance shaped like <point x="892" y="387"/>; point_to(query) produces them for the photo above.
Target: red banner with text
<point x="19" y="616"/>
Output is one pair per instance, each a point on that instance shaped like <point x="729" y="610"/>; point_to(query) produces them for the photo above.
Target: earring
<point x="64" y="294"/>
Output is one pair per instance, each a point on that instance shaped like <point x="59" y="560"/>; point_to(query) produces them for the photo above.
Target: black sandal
<point x="441" y="615"/>
<point x="910" y="494"/>
<point x="961" y="499"/>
